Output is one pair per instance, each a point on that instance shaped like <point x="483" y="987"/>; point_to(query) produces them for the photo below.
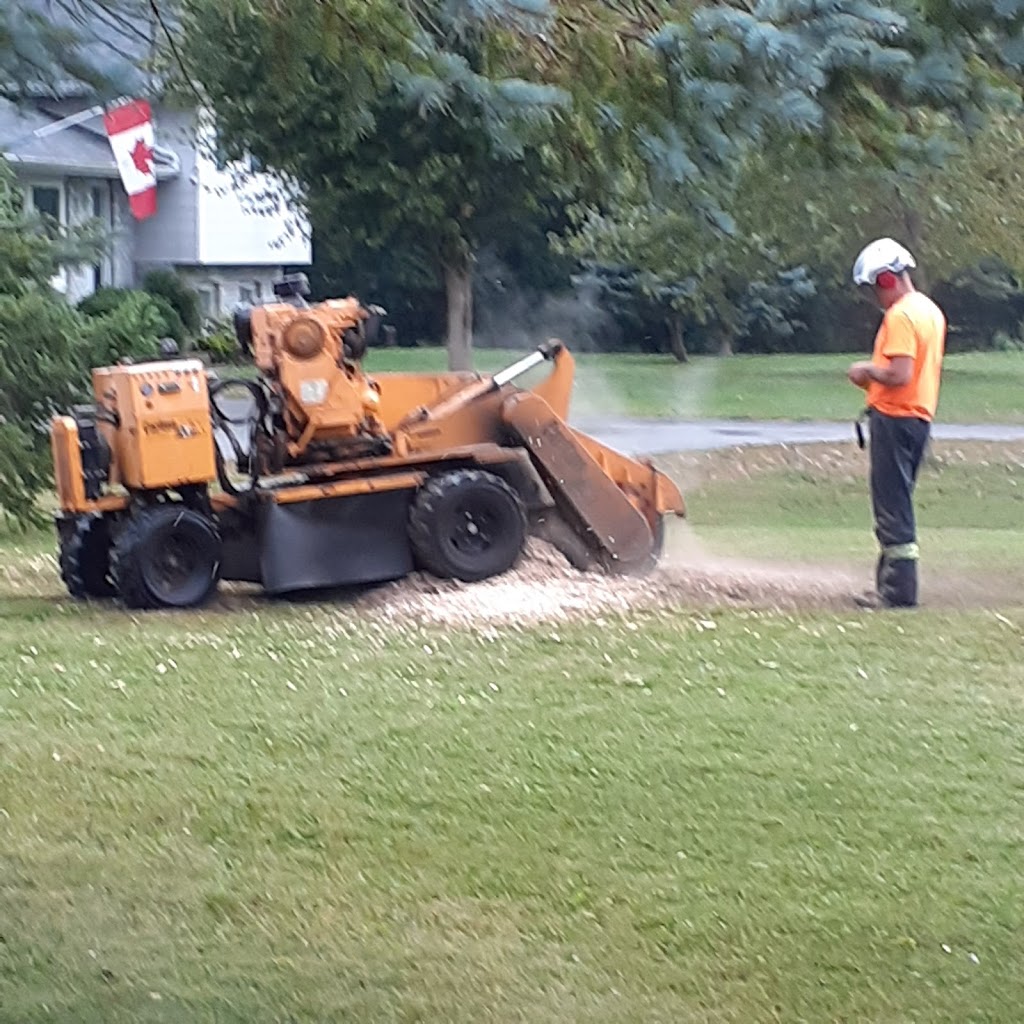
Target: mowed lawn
<point x="978" y="387"/>
<point x="810" y="505"/>
<point x="275" y="812"/>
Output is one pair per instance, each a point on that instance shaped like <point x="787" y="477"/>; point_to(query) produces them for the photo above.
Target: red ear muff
<point x="886" y="279"/>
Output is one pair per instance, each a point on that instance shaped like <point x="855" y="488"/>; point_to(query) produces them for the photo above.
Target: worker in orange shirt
<point x="902" y="384"/>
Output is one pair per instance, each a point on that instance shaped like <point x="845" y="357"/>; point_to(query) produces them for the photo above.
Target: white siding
<point x="247" y="219"/>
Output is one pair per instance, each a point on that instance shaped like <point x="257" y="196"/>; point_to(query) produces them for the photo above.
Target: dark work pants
<point x="897" y="448"/>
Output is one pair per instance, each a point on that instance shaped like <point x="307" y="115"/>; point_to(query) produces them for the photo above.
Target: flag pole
<point x="68" y="121"/>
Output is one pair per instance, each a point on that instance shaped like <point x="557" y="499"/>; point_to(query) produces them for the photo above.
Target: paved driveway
<point x="636" y="437"/>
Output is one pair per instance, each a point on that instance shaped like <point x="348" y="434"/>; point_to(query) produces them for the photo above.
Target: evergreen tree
<point x="429" y="127"/>
<point x="98" y="49"/>
<point x="836" y="91"/>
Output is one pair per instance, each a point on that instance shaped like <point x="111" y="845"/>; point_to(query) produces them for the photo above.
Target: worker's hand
<point x="860" y="374"/>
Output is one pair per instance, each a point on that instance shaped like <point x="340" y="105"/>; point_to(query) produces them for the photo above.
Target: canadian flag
<point x="130" y="131"/>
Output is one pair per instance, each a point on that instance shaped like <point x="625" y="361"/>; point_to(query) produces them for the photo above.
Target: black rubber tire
<point x="467" y="525"/>
<point x="85" y="558"/>
<point x="166" y="556"/>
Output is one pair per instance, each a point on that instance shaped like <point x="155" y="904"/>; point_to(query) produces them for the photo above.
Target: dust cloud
<point x="511" y="315"/>
<point x="508" y="314"/>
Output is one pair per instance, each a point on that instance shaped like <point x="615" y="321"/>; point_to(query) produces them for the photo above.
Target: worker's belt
<point x="858" y="425"/>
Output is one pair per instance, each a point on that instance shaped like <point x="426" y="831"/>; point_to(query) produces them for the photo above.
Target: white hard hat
<point x="882" y="254"/>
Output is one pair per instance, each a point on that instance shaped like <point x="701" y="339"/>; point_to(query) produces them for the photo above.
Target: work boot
<point x="869" y="601"/>
<point x="898" y="586"/>
<point x="880" y="571"/>
<point x="872" y="600"/>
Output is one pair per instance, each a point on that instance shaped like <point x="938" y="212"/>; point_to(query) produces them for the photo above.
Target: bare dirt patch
<point x="545" y="588"/>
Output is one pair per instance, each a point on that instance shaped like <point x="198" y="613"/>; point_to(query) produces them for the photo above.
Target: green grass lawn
<point x="977" y="387"/>
<point x="810" y="503"/>
<point x="274" y="812"/>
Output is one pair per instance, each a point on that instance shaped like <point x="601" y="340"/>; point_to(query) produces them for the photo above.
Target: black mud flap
<point x="240" y="553"/>
<point x="240" y="560"/>
<point x="334" y="542"/>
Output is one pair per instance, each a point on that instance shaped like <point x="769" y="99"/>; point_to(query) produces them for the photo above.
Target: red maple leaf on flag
<point x="142" y="157"/>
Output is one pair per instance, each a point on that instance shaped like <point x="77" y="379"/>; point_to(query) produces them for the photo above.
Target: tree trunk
<point x="913" y="224"/>
<point x="676" y="341"/>
<point x="725" y="344"/>
<point x="458" y="286"/>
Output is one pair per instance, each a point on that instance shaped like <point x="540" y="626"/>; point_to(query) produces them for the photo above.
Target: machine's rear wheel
<point x="167" y="556"/>
<point x="468" y="524"/>
<point x="85" y="558"/>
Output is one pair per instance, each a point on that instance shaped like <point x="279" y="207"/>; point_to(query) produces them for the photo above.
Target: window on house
<point x="246" y="295"/>
<point x="208" y="305"/>
<point x="101" y="204"/>
<point x="47" y="200"/>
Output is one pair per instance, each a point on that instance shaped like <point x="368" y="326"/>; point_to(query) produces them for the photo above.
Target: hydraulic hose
<point x="255" y="421"/>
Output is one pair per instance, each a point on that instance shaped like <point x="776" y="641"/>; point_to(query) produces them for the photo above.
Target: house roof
<point x="72" y="151"/>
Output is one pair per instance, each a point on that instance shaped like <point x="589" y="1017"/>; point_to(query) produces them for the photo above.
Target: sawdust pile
<point x="545" y="588"/>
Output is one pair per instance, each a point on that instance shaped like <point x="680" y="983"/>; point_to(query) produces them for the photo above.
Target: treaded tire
<point x="167" y="556"/>
<point x="467" y="525"/>
<point x="85" y="558"/>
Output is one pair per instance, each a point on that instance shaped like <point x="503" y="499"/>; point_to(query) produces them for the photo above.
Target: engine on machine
<point x="319" y="405"/>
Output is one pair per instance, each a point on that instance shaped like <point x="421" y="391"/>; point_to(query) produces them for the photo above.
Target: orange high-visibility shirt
<point x="913" y="326"/>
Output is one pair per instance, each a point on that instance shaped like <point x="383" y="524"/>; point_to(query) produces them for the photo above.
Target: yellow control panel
<point x="165" y="437"/>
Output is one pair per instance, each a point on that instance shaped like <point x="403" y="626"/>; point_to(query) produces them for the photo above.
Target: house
<point x="229" y="231"/>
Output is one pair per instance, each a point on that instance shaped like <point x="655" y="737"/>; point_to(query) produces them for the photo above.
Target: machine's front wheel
<point x="467" y="525"/>
<point x="85" y="557"/>
<point x="167" y="556"/>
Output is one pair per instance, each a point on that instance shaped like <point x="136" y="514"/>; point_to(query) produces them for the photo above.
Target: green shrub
<point x="43" y="370"/>
<point x="106" y="301"/>
<point x="130" y="330"/>
<point x="220" y="342"/>
<point x="172" y="327"/>
<point x="1003" y="341"/>
<point x="222" y="345"/>
<point x="184" y="300"/>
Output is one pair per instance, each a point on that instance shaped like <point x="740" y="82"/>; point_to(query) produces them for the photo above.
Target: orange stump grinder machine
<point x="331" y="476"/>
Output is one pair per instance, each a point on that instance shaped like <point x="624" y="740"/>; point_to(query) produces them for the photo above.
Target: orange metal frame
<point x="432" y="418"/>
